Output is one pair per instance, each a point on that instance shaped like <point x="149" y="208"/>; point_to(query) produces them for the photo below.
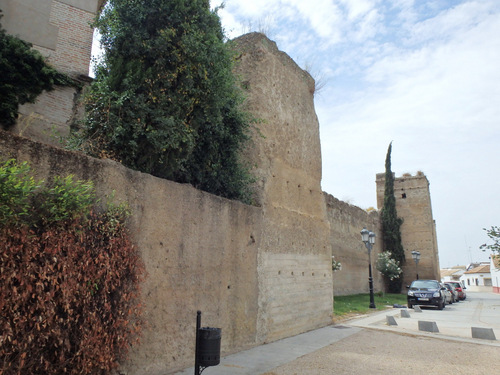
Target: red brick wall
<point x="74" y="43"/>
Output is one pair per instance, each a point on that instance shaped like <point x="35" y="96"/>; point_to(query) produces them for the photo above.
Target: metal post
<point x="198" y="325"/>
<point x="368" y="238"/>
<point x="370" y="280"/>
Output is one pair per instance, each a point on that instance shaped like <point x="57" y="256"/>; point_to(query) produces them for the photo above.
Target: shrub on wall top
<point x="165" y="100"/>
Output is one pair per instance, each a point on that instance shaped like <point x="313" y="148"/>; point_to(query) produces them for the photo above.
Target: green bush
<point x="66" y="199"/>
<point x="388" y="266"/>
<point x="165" y="100"/>
<point x="69" y="278"/>
<point x="16" y="190"/>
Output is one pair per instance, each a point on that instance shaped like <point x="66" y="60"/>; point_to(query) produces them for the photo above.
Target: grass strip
<point x="359" y="303"/>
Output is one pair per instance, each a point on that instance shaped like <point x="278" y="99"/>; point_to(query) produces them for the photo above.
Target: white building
<point x="478" y="279"/>
<point x="452" y="274"/>
<point x="495" y="272"/>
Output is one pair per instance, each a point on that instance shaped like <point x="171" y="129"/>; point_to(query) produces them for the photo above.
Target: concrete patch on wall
<point x="293" y="289"/>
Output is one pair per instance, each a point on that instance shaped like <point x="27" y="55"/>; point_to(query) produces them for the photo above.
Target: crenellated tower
<point x="418" y="231"/>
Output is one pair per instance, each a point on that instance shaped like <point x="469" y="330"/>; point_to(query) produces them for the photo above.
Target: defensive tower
<point x="418" y="232"/>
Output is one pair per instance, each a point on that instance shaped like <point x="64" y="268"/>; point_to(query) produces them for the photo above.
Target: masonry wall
<point x="346" y="222"/>
<point x="200" y="253"/>
<point x="418" y="231"/>
<point x="60" y="30"/>
<point x="294" y="264"/>
<point x="260" y="273"/>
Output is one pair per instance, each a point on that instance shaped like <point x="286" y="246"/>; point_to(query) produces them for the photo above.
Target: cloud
<point x="421" y="73"/>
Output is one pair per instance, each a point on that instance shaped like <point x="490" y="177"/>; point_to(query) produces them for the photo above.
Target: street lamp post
<point x="416" y="257"/>
<point x="368" y="237"/>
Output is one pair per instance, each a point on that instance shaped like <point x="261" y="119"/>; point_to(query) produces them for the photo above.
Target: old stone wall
<point x="260" y="273"/>
<point x="418" y="231"/>
<point x="346" y="223"/>
<point x="200" y="253"/>
<point x="294" y="265"/>
<point x="60" y="30"/>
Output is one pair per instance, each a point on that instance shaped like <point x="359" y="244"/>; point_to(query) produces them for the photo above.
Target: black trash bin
<point x="209" y="346"/>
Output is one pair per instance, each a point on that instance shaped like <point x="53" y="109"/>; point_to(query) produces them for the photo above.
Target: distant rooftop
<point x="483" y="268"/>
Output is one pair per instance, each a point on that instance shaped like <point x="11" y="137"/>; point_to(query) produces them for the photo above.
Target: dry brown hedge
<point x="68" y="297"/>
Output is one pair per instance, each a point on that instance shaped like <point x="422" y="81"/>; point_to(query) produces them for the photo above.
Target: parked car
<point x="459" y="288"/>
<point x="426" y="292"/>
<point x="448" y="297"/>
<point x="453" y="291"/>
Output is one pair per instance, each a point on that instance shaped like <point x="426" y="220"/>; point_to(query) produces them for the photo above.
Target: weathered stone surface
<point x="294" y="259"/>
<point x="59" y="30"/>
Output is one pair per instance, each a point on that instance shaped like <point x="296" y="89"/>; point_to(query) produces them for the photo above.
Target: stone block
<point x="405" y="313"/>
<point x="417" y="308"/>
<point x="391" y="321"/>
<point x="483" y="333"/>
<point x="427" y="326"/>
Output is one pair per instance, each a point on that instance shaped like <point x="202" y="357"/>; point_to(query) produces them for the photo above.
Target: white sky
<point x="424" y="74"/>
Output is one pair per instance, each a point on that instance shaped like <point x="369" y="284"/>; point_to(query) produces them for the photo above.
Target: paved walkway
<point x="454" y="323"/>
<point x="266" y="357"/>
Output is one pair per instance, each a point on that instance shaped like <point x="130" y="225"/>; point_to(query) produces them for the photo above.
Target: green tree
<point x="494" y="235"/>
<point x="391" y="224"/>
<point x="24" y="76"/>
<point x="165" y="100"/>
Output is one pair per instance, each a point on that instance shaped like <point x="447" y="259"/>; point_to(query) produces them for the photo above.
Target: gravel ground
<point x="382" y="352"/>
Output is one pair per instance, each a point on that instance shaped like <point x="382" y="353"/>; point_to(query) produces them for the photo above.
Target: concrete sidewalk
<point x="266" y="357"/>
<point x="454" y="323"/>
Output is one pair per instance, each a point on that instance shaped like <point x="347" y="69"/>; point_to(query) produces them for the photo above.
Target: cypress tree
<point x="391" y="224"/>
<point x="165" y="100"/>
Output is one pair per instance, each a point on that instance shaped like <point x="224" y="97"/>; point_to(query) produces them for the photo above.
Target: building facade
<point x="60" y="30"/>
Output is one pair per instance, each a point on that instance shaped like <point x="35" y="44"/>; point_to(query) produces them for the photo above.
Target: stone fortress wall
<point x="260" y="273"/>
<point x="346" y="222"/>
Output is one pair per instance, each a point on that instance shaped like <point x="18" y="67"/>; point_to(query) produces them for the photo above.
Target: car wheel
<point x="440" y="305"/>
<point x="410" y="306"/>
